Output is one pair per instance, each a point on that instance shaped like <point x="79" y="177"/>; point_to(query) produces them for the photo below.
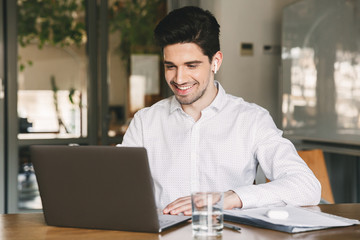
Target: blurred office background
<point x="75" y="71"/>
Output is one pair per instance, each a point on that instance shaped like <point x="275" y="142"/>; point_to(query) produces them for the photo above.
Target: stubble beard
<point x="190" y="101"/>
<point x="184" y="101"/>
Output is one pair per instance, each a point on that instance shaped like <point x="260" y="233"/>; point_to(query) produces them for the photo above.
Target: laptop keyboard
<point x="168" y="220"/>
<point x="165" y="220"/>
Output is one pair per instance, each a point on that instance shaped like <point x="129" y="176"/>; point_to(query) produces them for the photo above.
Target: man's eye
<point x="169" y="67"/>
<point x="192" y="66"/>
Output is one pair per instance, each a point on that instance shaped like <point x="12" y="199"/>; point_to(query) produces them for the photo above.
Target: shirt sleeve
<point x="134" y="134"/>
<point x="292" y="182"/>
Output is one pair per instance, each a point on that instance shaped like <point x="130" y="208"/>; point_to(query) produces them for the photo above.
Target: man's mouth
<point x="182" y="89"/>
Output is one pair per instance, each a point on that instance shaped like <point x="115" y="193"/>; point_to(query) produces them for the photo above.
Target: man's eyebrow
<point x="190" y="62"/>
<point x="194" y="62"/>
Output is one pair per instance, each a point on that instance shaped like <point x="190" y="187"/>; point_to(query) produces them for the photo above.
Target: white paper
<point x="298" y="217"/>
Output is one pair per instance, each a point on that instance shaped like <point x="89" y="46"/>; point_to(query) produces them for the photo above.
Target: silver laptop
<point x="100" y="187"/>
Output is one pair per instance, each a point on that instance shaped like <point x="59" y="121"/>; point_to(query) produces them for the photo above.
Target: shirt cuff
<point x="247" y="196"/>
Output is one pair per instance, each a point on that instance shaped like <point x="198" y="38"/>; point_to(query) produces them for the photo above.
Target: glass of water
<point x="207" y="213"/>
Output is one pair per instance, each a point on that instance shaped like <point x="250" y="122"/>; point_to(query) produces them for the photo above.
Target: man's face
<point x="187" y="72"/>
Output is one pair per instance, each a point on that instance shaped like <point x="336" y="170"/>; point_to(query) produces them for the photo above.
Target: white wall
<point x="68" y="65"/>
<point x="254" y="78"/>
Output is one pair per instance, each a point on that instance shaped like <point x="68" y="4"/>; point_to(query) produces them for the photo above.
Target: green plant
<point x="52" y="22"/>
<point x="135" y="21"/>
<point x="57" y="23"/>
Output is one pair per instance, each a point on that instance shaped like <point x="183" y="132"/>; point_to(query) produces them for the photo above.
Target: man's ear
<point x="216" y="61"/>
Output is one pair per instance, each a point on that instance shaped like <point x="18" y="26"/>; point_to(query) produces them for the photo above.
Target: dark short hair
<point x="189" y="25"/>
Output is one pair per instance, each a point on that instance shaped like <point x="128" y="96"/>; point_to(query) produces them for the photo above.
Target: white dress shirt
<point x="221" y="151"/>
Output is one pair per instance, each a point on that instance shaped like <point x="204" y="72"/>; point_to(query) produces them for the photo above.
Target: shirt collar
<point x="220" y="98"/>
<point x="216" y="104"/>
<point x="174" y="105"/>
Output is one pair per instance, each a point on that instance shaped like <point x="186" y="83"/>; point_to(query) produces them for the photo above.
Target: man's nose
<point x="180" y="76"/>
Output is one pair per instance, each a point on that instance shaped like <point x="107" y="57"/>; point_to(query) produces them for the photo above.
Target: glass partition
<point x="321" y="66"/>
<point x="52" y="83"/>
<point x="134" y="70"/>
<point x="2" y="115"/>
<point x="52" y="69"/>
<point x="55" y="90"/>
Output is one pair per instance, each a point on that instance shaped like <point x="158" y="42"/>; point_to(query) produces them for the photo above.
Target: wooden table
<point x="32" y="226"/>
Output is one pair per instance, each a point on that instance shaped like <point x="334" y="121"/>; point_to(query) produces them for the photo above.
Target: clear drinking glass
<point x="207" y="213"/>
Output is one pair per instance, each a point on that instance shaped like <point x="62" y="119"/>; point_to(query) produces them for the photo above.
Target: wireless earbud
<point x="215" y="67"/>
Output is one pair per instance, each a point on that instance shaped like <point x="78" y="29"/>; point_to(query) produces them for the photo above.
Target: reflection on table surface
<point x="32" y="226"/>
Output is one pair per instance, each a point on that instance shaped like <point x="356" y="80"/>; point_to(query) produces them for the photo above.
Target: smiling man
<point x="189" y="74"/>
<point x="204" y="136"/>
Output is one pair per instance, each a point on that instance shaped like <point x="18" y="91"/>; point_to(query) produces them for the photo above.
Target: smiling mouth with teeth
<point x="183" y="87"/>
<point x="183" y="90"/>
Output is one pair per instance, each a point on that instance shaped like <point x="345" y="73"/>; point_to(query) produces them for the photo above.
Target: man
<point x="203" y="137"/>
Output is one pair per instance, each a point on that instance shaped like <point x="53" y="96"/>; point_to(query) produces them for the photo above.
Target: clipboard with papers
<point x="298" y="220"/>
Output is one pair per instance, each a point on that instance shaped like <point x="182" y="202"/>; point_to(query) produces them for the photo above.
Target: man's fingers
<point x="183" y="204"/>
<point x="178" y="206"/>
<point x="181" y="209"/>
<point x="188" y="213"/>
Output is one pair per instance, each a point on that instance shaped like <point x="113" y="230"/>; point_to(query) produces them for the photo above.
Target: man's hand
<point x="232" y="200"/>
<point x="180" y="205"/>
<point x="183" y="204"/>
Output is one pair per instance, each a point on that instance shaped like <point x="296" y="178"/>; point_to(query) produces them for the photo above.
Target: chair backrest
<point x="316" y="162"/>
